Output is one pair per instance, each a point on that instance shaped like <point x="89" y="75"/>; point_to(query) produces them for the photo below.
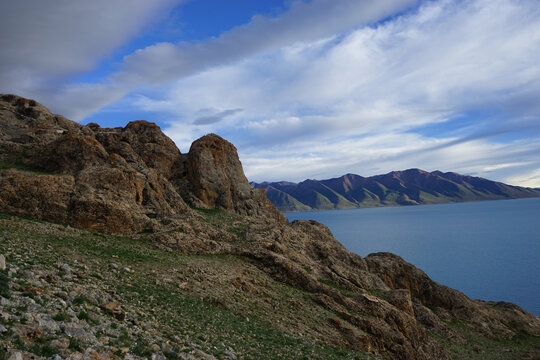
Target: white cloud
<point x="436" y="65"/>
<point x="528" y="179"/>
<point x="45" y="42"/>
<point x="303" y="22"/>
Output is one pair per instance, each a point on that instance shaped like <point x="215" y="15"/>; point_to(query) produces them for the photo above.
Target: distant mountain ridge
<point x="408" y="187"/>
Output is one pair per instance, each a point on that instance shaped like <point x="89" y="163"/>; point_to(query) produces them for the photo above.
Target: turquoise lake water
<point x="489" y="250"/>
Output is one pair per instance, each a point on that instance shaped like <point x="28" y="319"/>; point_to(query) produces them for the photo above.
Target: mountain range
<point x="408" y="187"/>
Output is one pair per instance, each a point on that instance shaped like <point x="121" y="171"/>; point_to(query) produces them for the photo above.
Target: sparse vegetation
<point x="221" y="307"/>
<point x="4" y="281"/>
<point x="480" y="347"/>
<point x="16" y="161"/>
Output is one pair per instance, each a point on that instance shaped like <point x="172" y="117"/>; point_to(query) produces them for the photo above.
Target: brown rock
<point x="216" y="178"/>
<point x="60" y="344"/>
<point x="113" y="308"/>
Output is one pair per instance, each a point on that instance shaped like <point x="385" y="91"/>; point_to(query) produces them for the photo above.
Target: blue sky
<point x="304" y="89"/>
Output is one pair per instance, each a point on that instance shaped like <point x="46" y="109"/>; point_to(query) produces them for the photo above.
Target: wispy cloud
<point x="214" y="117"/>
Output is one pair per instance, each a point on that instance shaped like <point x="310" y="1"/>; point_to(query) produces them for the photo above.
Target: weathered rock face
<point x="43" y="197"/>
<point x="134" y="179"/>
<point x="115" y="180"/>
<point x="216" y="175"/>
<point x="217" y="179"/>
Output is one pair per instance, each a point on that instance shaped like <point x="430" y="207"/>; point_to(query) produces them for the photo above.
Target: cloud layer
<point x="326" y="88"/>
<point x="44" y="43"/>
<point x="448" y="86"/>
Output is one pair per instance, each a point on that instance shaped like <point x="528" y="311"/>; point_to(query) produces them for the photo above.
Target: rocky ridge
<point x="135" y="181"/>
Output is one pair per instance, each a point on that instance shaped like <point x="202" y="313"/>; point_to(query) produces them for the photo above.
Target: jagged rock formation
<point x="409" y="187"/>
<point x="134" y="180"/>
<point x="115" y="180"/>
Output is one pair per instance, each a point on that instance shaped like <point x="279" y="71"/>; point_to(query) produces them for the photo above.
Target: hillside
<point x="119" y="246"/>
<point x="409" y="187"/>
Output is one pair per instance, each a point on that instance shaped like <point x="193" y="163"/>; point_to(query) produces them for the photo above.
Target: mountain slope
<point x="206" y="266"/>
<point x="409" y="187"/>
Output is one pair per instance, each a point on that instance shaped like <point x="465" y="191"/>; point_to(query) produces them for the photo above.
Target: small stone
<point x="17" y="355"/>
<point x="113" y="266"/>
<point x="48" y="324"/>
<point x="61" y="294"/>
<point x="57" y="357"/>
<point x="155" y="347"/>
<point x="115" y="310"/>
<point x="51" y="278"/>
<point x="60" y="344"/>
<point x="76" y="330"/>
<point x="3" y="329"/>
<point x="2" y="262"/>
<point x="201" y="354"/>
<point x="65" y="268"/>
<point x="28" y="317"/>
<point x="5" y="302"/>
<point x="229" y="354"/>
<point x="92" y="354"/>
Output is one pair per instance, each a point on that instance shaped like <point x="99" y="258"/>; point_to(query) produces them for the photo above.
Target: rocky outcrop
<point x="216" y="177"/>
<point x="114" y="180"/>
<point x="134" y="181"/>
<point x="399" y="274"/>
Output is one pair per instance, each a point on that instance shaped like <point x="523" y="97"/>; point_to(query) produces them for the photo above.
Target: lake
<point x="489" y="250"/>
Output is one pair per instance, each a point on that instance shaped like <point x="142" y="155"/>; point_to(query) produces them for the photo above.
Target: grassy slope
<point x="286" y="201"/>
<point x="217" y="301"/>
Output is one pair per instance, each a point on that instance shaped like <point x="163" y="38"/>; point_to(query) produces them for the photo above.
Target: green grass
<point x="43" y="350"/>
<point x="60" y="317"/>
<point x="83" y="315"/>
<point x="75" y="344"/>
<point x="336" y="286"/>
<point x="206" y="315"/>
<point x="209" y="312"/>
<point x="4" y="280"/>
<point x="377" y="293"/>
<point x="233" y="222"/>
<point x="480" y="347"/>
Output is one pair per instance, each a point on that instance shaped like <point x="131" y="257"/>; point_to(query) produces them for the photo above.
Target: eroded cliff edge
<point x="134" y="181"/>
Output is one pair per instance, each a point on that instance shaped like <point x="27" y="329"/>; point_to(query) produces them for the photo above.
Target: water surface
<point x="489" y="250"/>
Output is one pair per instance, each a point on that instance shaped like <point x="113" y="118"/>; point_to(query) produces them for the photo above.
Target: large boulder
<point x="216" y="177"/>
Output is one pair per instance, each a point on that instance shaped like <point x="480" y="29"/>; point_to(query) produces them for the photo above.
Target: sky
<point x="303" y="89"/>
